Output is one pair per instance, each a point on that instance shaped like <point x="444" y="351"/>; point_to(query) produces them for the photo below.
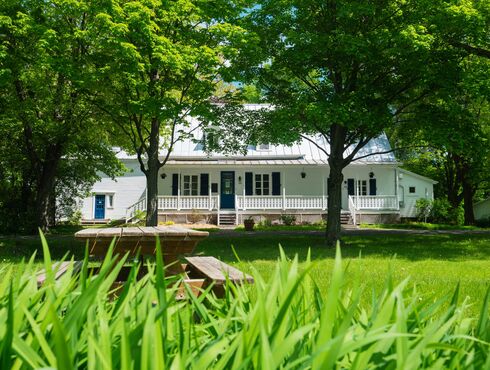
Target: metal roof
<point x="302" y="152"/>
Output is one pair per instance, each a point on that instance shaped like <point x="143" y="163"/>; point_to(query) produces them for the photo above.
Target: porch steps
<point x="94" y="221"/>
<point x="345" y="218"/>
<point x="227" y="219"/>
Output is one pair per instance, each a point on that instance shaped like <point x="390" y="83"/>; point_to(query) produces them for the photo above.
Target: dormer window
<point x="263" y="147"/>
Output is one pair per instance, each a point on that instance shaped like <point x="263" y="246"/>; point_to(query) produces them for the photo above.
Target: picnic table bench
<point x="176" y="243"/>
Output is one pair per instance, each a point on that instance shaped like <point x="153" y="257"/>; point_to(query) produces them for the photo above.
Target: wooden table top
<point x="163" y="232"/>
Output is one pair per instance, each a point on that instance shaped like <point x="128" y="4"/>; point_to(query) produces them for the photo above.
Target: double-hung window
<point x="262" y="184"/>
<point x="362" y="187"/>
<point x="190" y="185"/>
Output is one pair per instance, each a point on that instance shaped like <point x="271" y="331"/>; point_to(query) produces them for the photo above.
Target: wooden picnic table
<point x="175" y="241"/>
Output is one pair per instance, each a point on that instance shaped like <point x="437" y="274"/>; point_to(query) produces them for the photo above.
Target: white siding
<point x="314" y="182"/>
<point x="126" y="190"/>
<point x="424" y="188"/>
<point x="482" y="209"/>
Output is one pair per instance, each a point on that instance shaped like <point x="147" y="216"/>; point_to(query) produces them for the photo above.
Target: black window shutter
<point x="204" y="183"/>
<point x="276" y="183"/>
<point x="372" y="186"/>
<point x="175" y="184"/>
<point x="350" y="187"/>
<point x="249" y="186"/>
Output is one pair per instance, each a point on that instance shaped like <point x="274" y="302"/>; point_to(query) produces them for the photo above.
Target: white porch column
<point x="178" y="191"/>
<point x="284" y="191"/>
<point x="210" y="197"/>
<point x="396" y="182"/>
<point x="323" y="192"/>
<point x="244" y="205"/>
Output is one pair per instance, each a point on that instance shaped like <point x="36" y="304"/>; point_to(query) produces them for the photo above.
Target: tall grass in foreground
<point x="75" y="322"/>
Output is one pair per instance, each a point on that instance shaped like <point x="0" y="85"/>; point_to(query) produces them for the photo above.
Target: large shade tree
<point x="452" y="128"/>
<point x="46" y="120"/>
<point x="159" y="63"/>
<point x="342" y="70"/>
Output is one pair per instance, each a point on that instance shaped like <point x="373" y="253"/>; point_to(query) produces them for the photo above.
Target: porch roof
<point x="250" y="161"/>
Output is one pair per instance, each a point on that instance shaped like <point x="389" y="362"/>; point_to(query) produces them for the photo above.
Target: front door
<point x="227" y="197"/>
<point x="99" y="206"/>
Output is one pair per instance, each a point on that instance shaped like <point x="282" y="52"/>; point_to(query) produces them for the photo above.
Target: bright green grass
<point x="435" y="263"/>
<point x="258" y="227"/>
<point x="420" y="226"/>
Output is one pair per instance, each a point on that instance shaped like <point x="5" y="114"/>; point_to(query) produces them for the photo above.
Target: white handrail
<point x="353" y="209"/>
<point x="140" y="205"/>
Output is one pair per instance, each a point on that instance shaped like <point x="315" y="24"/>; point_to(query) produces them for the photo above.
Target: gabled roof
<point x="302" y="152"/>
<point x="418" y="176"/>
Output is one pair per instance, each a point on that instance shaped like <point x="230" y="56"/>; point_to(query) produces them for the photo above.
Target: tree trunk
<point x="52" y="208"/>
<point x="43" y="195"/>
<point x="468" y="192"/>
<point x="454" y="180"/>
<point x="152" y="196"/>
<point x="336" y="163"/>
<point x="152" y="175"/>
<point x="334" y="204"/>
<point x="45" y="186"/>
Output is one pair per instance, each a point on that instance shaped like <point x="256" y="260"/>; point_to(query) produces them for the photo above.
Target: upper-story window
<point x="263" y="147"/>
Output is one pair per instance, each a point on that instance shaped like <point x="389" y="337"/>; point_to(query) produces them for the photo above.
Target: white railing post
<point x="244" y="205"/>
<point x="283" y="198"/>
<point x="178" y="200"/>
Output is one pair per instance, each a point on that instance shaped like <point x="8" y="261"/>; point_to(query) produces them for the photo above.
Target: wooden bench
<point x="215" y="271"/>
<point x="59" y="270"/>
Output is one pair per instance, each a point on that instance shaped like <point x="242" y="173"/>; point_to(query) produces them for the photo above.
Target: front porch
<point x="244" y="205"/>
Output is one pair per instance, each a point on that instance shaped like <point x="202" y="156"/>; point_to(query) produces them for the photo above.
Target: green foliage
<point x="139" y="217"/>
<point x="288" y="220"/>
<point x="438" y="211"/>
<point x="264" y="223"/>
<point x="75" y="218"/>
<point x="423" y="207"/>
<point x="484" y="222"/>
<point x="159" y="65"/>
<point x="76" y="322"/>
<point x="53" y="141"/>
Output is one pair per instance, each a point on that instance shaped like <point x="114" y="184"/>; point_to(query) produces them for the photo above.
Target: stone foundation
<point x="274" y="217"/>
<point x="382" y="218"/>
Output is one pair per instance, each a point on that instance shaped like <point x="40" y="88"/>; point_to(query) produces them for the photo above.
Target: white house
<point x="482" y="209"/>
<point x="270" y="180"/>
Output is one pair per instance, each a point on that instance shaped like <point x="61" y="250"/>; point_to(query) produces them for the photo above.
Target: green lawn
<point x="259" y="227"/>
<point x="421" y="226"/>
<point x="435" y="263"/>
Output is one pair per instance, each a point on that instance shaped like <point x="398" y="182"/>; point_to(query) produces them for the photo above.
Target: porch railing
<point x="140" y="205"/>
<point x="277" y="202"/>
<point x="375" y="202"/>
<point x="264" y="202"/>
<point x="203" y="202"/>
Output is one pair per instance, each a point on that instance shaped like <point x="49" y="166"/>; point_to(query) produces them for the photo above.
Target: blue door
<point x="227" y="196"/>
<point x="100" y="206"/>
